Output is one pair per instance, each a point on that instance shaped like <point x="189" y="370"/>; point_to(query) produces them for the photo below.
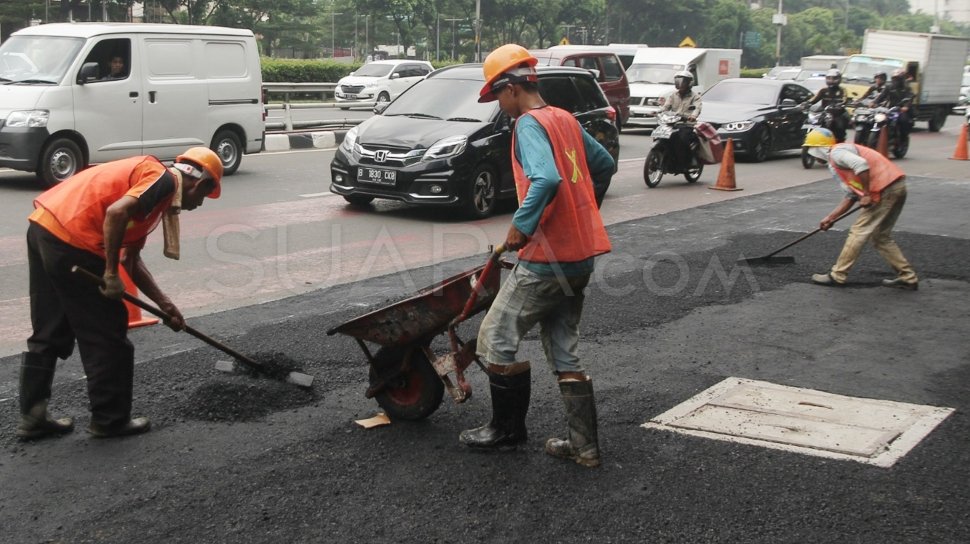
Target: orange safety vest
<point x="570" y="228"/>
<point x="882" y="172"/>
<point x="74" y="210"/>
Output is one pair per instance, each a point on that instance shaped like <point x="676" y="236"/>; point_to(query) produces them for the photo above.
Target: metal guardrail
<point x="325" y="90"/>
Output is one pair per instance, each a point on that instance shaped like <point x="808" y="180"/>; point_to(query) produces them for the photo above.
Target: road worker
<point x="879" y="187"/>
<point x="87" y="220"/>
<point x="558" y="231"/>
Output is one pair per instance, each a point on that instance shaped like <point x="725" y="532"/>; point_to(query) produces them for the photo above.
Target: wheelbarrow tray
<point x="424" y="315"/>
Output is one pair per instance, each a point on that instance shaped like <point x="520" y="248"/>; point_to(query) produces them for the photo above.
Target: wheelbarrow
<point x="406" y="377"/>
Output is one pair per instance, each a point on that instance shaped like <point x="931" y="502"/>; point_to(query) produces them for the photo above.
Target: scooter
<point x="862" y="120"/>
<point x="660" y="160"/>
<point x="888" y="119"/>
<point x="818" y="117"/>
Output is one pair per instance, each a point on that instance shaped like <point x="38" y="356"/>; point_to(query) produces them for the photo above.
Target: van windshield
<point x="37" y="59"/>
<point x="653" y="73"/>
<point x="374" y="70"/>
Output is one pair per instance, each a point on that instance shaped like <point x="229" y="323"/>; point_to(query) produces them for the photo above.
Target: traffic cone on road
<point x="883" y="146"/>
<point x="135" y="318"/>
<point x="960" y="153"/>
<point x="725" y="179"/>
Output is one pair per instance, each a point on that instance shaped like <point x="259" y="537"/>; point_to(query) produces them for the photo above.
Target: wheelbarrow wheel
<point x="413" y="394"/>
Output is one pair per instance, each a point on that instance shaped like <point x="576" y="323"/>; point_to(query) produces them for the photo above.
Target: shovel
<point x="296" y="378"/>
<point x="771" y="259"/>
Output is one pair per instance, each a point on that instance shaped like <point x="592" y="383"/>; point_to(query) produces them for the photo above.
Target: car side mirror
<point x="504" y="123"/>
<point x="380" y="107"/>
<point x="788" y="103"/>
<point x="88" y="73"/>
<point x="395" y="75"/>
<point x="595" y="72"/>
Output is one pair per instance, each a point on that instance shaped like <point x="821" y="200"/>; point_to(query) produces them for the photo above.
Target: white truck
<point x="651" y="76"/>
<point x="933" y="62"/>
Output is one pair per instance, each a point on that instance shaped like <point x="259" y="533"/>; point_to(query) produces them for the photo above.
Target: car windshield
<point x="374" y="70"/>
<point x="740" y="92"/>
<point x="37" y="59"/>
<point x="443" y="98"/>
<point x="862" y="70"/>
<point x="653" y="73"/>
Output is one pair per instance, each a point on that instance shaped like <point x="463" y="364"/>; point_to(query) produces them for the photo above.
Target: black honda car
<point x="437" y="145"/>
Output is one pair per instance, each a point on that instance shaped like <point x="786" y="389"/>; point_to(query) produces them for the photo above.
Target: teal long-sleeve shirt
<point x="534" y="152"/>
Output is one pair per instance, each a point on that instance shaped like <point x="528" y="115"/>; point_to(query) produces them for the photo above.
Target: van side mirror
<point x="395" y="75"/>
<point x="89" y="72"/>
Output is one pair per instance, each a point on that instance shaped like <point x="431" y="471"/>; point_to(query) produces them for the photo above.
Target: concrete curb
<point x="303" y="140"/>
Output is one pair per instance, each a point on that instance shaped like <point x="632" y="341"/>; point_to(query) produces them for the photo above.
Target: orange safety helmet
<point x="504" y="66"/>
<point x="209" y="162"/>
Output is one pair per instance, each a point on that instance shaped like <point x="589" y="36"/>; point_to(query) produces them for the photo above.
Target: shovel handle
<point x="473" y="298"/>
<point x="816" y="231"/>
<point x="157" y="312"/>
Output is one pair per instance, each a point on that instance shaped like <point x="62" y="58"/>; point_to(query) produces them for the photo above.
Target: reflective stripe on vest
<point x="79" y="204"/>
<point x="570" y="228"/>
<point x="882" y="171"/>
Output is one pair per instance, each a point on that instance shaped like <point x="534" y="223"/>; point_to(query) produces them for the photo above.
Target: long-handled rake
<point x="787" y="259"/>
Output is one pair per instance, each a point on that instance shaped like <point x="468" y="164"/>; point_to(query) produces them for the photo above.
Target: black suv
<point x="436" y="145"/>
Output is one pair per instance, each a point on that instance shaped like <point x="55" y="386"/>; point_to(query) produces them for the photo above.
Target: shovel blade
<point x="768" y="260"/>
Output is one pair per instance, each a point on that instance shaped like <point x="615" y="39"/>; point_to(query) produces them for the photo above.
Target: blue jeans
<point x="526" y="298"/>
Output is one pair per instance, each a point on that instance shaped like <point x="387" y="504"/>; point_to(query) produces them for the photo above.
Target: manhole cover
<point x="877" y="432"/>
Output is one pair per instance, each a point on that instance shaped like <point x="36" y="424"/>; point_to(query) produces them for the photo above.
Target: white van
<point x="63" y="108"/>
<point x="380" y="81"/>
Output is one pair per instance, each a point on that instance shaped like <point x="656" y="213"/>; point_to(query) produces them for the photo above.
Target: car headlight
<point x="370" y="85"/>
<point x="28" y="119"/>
<point x="350" y="141"/>
<point x="737" y="126"/>
<point x="446" y="147"/>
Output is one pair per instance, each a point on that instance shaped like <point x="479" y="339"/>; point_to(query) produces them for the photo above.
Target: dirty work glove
<point x="113" y="287"/>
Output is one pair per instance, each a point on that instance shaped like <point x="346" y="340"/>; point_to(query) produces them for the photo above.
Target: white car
<point x="380" y="81"/>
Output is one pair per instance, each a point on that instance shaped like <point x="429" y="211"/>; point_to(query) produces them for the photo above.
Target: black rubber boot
<point x="582" y="446"/>
<point x="510" y="403"/>
<point x="36" y="378"/>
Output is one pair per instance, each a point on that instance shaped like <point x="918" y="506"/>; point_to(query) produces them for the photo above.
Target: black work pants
<point x="65" y="308"/>
<point x="682" y="141"/>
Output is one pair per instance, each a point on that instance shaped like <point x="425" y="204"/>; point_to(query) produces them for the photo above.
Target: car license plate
<point x="373" y="175"/>
<point x="350" y="97"/>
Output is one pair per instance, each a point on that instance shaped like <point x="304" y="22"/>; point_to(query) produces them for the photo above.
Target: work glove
<point x="113" y="287"/>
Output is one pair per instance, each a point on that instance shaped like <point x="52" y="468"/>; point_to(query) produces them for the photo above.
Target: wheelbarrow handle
<point x="96" y="280"/>
<point x="493" y="260"/>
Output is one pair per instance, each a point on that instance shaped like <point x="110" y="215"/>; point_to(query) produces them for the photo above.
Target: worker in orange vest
<point x="879" y="186"/>
<point x="558" y="231"/>
<point x="86" y="221"/>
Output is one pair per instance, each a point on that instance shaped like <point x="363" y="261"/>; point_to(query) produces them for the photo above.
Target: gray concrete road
<point x="235" y="459"/>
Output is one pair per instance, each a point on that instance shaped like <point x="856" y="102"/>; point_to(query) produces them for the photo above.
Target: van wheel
<point x="61" y="159"/>
<point x="383" y="98"/>
<point x="226" y="145"/>
<point x="481" y="195"/>
<point x="938" y="119"/>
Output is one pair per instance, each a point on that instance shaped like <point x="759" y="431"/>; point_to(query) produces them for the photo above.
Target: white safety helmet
<point x="683" y="80"/>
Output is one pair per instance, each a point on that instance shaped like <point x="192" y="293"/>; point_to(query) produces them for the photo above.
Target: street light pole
<point x="453" y="39"/>
<point x="478" y="30"/>
<point x="333" y="33"/>
<point x="437" y="37"/>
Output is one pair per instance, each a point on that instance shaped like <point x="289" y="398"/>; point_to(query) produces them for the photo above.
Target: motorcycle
<point x="661" y="160"/>
<point x="887" y="119"/>
<point x="818" y="118"/>
<point x="863" y="119"/>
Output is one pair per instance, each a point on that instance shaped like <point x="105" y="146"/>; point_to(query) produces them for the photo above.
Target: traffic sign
<point x="687" y="42"/>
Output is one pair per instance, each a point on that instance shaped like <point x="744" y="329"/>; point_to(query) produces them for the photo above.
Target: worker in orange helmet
<point x="87" y="220"/>
<point x="558" y="232"/>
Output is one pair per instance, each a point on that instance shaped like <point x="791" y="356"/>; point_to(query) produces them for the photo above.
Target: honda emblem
<point x="380" y="155"/>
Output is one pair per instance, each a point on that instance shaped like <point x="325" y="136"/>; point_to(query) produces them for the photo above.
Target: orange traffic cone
<point x="725" y="179"/>
<point x="135" y="318"/>
<point x="960" y="153"/>
<point x="883" y="146"/>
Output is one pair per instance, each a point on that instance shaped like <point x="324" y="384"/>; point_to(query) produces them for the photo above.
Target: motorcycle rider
<point x="876" y="90"/>
<point x="832" y="95"/>
<point x="687" y="103"/>
<point x="898" y="95"/>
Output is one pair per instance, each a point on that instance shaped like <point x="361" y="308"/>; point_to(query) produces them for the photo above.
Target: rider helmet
<point x="899" y="77"/>
<point x="880" y="75"/>
<point x="198" y="161"/>
<point x="833" y="78"/>
<point x="683" y="80"/>
<point x="508" y="64"/>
